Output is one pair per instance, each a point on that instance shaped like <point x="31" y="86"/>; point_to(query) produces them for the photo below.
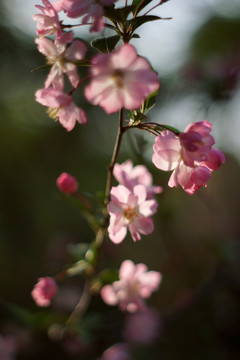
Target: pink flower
<point x="44" y="291"/>
<point x="130" y="210"/>
<point x="121" y="79"/>
<point x="89" y="9"/>
<point x="61" y="107"/>
<point x="130" y="176"/>
<point x="48" y="22"/>
<point x="190" y="155"/>
<point x="196" y="142"/>
<point x="142" y="327"/>
<point x="62" y="59"/>
<point x="190" y="179"/>
<point x="135" y="284"/>
<point x="67" y="184"/>
<point x="117" y="351"/>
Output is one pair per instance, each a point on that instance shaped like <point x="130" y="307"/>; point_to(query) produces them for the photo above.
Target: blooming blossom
<point x="130" y="210"/>
<point x="135" y="284"/>
<point x="190" y="155"/>
<point x="62" y="59"/>
<point x="130" y="176"/>
<point x="67" y="184"/>
<point x="48" y="21"/>
<point x="90" y="9"/>
<point x="61" y="107"/>
<point x="142" y="326"/>
<point x="121" y="79"/>
<point x="196" y="142"/>
<point x="44" y="291"/>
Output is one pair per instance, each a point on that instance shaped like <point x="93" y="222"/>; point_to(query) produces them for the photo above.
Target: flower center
<point x="118" y="78"/>
<point x="53" y="113"/>
<point x="130" y="214"/>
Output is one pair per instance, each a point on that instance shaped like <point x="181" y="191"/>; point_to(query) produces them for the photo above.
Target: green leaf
<point x="136" y="36"/>
<point x="105" y="45"/>
<point x="168" y="127"/>
<point x="136" y="116"/>
<point x="138" y="5"/>
<point x="149" y="102"/>
<point x="138" y="21"/>
<point x="118" y="15"/>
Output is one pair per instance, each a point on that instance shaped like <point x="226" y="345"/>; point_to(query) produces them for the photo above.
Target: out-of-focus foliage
<point x="196" y="242"/>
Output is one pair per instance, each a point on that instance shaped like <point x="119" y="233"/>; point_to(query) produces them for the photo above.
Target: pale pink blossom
<point x="92" y="10"/>
<point x="135" y="284"/>
<point x="48" y="21"/>
<point x="67" y="183"/>
<point x="119" y="351"/>
<point x="128" y="175"/>
<point x="196" y="142"/>
<point x="121" y="79"/>
<point x="62" y="59"/>
<point x="142" y="327"/>
<point x="44" y="291"/>
<point x="61" y="107"/>
<point x="130" y="210"/>
<point x="190" y="179"/>
<point x="8" y="347"/>
<point x="190" y="155"/>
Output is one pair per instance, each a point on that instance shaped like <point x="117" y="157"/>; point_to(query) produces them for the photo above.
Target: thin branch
<point x="121" y="130"/>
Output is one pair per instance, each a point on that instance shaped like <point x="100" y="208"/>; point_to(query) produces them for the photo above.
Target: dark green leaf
<point x="138" y="5"/>
<point x="136" y="36"/>
<point x="138" y="21"/>
<point x="168" y="127"/>
<point x="118" y="15"/>
<point x="149" y="102"/>
<point x="105" y="45"/>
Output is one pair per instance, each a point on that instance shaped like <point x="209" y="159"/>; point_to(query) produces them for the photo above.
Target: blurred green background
<point x="196" y="242"/>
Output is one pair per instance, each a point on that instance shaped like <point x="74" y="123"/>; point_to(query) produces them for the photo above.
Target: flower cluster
<point x="118" y="79"/>
<point x="189" y="154"/>
<point x="135" y="284"/>
<point x="132" y="203"/>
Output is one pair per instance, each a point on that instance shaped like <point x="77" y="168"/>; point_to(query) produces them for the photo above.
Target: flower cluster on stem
<point x="119" y="80"/>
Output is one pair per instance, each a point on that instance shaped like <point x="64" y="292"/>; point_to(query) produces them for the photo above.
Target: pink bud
<point x="44" y="291"/>
<point x="67" y="184"/>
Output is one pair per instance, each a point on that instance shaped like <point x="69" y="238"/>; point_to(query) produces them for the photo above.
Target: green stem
<point x="86" y="296"/>
<point x="121" y="130"/>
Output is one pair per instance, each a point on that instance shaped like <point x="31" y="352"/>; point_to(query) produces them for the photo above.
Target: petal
<point x="215" y="159"/>
<point x="76" y="51"/>
<point x="46" y="47"/>
<point x="148" y="207"/>
<point x="71" y="71"/>
<point x="119" y="236"/>
<point x="109" y="295"/>
<point x="142" y="224"/>
<point x="127" y="269"/>
<point x="166" y="151"/>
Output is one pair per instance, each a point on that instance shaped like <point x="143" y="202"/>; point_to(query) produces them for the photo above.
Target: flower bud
<point x="67" y="184"/>
<point x="44" y="291"/>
